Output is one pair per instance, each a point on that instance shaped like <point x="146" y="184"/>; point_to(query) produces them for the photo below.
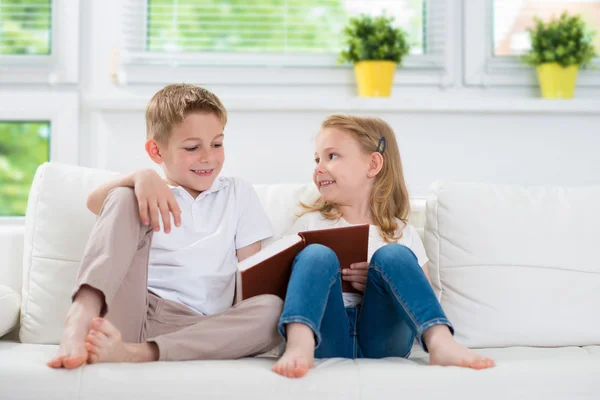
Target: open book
<point x="269" y="270"/>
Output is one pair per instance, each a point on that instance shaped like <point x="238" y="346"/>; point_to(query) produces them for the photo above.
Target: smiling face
<point x="193" y="155"/>
<point x="342" y="169"/>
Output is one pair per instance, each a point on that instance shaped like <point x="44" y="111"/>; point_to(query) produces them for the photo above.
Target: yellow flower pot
<point x="556" y="81"/>
<point x="374" y="78"/>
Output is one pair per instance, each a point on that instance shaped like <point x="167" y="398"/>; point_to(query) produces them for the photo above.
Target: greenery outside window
<point x="23" y="147"/>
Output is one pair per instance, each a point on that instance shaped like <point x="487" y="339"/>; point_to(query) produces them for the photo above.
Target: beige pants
<point x="115" y="262"/>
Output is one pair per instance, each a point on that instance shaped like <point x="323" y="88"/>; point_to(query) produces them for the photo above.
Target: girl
<point x="360" y="180"/>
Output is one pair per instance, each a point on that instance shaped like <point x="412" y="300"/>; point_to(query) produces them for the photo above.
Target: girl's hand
<point x="154" y="196"/>
<point x="357" y="275"/>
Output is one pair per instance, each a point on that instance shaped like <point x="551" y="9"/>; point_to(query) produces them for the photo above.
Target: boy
<point x="146" y="295"/>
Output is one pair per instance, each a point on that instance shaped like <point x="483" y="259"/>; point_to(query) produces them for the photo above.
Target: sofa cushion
<point x="521" y="373"/>
<point x="57" y="226"/>
<point x="281" y="203"/>
<point x="10" y="303"/>
<point x="516" y="266"/>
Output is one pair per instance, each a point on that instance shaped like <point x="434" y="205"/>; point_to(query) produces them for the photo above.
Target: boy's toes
<point x="104" y="326"/>
<point x="96" y="338"/>
<point x="482" y="363"/>
<point x="73" y="362"/>
<point x="56" y="362"/>
<point x="91" y="340"/>
<point x="91" y="348"/>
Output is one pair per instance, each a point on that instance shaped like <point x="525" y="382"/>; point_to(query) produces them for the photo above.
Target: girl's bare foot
<point x="104" y="344"/>
<point x="85" y="307"/>
<point x="299" y="355"/>
<point x="443" y="350"/>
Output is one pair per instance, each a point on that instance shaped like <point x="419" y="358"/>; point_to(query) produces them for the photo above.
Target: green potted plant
<point x="375" y="47"/>
<point x="558" y="48"/>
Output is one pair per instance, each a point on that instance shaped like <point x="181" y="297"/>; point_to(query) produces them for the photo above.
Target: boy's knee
<point x="122" y="199"/>
<point x="269" y="308"/>
<point x="124" y="195"/>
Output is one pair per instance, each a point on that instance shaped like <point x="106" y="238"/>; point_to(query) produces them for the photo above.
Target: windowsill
<point x="12" y="221"/>
<point x="357" y="104"/>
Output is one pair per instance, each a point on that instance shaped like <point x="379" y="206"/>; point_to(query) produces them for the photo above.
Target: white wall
<point x="270" y="147"/>
<point x="458" y="133"/>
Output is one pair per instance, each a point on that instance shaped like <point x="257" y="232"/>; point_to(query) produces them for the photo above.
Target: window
<point x="273" y="26"/>
<point x="25" y="27"/>
<point x="23" y="147"/>
<point x="300" y="37"/>
<point x="39" y="41"/>
<point x="511" y="20"/>
<point x="496" y="34"/>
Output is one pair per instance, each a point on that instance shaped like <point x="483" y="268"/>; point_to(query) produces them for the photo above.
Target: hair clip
<point x="381" y="145"/>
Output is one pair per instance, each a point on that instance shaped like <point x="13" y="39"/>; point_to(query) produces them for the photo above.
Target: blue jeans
<point x="398" y="305"/>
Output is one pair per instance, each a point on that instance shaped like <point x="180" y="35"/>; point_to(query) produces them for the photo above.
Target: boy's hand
<point x="154" y="197"/>
<point x="357" y="275"/>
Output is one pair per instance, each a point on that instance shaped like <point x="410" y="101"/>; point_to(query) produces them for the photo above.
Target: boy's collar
<point x="218" y="184"/>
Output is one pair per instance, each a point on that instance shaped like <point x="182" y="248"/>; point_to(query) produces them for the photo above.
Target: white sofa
<point x="515" y="269"/>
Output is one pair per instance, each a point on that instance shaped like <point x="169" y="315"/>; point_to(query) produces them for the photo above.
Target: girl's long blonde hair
<point x="389" y="197"/>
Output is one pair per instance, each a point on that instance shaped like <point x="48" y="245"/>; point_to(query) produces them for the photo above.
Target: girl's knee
<point x="394" y="255"/>
<point x="317" y="256"/>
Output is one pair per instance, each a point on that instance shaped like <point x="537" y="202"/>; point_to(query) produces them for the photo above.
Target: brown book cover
<point x="268" y="271"/>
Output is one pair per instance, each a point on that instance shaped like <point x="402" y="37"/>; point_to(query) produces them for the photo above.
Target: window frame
<point x="482" y="68"/>
<point x="61" y="110"/>
<point x="62" y="65"/>
<point x="238" y="69"/>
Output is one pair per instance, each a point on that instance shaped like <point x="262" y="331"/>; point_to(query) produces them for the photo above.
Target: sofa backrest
<point x="282" y="203"/>
<point x="511" y="266"/>
<point x="516" y="266"/>
<point x="58" y="225"/>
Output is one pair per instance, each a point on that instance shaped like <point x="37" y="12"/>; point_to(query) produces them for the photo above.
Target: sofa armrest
<point x="12" y="239"/>
<point x="10" y="305"/>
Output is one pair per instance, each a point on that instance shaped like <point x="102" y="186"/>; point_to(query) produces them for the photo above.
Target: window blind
<point x="25" y="27"/>
<point x="266" y="31"/>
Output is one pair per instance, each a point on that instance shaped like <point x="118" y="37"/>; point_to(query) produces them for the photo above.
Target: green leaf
<point x="565" y="40"/>
<point x="373" y="38"/>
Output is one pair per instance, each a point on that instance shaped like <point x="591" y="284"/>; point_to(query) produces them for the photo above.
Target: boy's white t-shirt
<point x="410" y="238"/>
<point x="196" y="263"/>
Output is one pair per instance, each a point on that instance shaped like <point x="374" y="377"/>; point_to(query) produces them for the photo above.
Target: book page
<point x="269" y="251"/>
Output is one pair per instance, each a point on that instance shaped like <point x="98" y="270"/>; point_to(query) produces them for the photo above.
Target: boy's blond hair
<point x="389" y="197"/>
<point x="170" y="105"/>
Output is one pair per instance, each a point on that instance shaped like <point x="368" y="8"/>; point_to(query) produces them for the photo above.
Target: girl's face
<point x="342" y="168"/>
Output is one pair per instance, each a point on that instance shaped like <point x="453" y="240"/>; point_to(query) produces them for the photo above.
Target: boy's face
<point x="194" y="154"/>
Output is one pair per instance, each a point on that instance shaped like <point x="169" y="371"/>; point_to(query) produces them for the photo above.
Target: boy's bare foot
<point x="104" y="344"/>
<point x="443" y="350"/>
<point x="72" y="353"/>
<point x="299" y="355"/>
